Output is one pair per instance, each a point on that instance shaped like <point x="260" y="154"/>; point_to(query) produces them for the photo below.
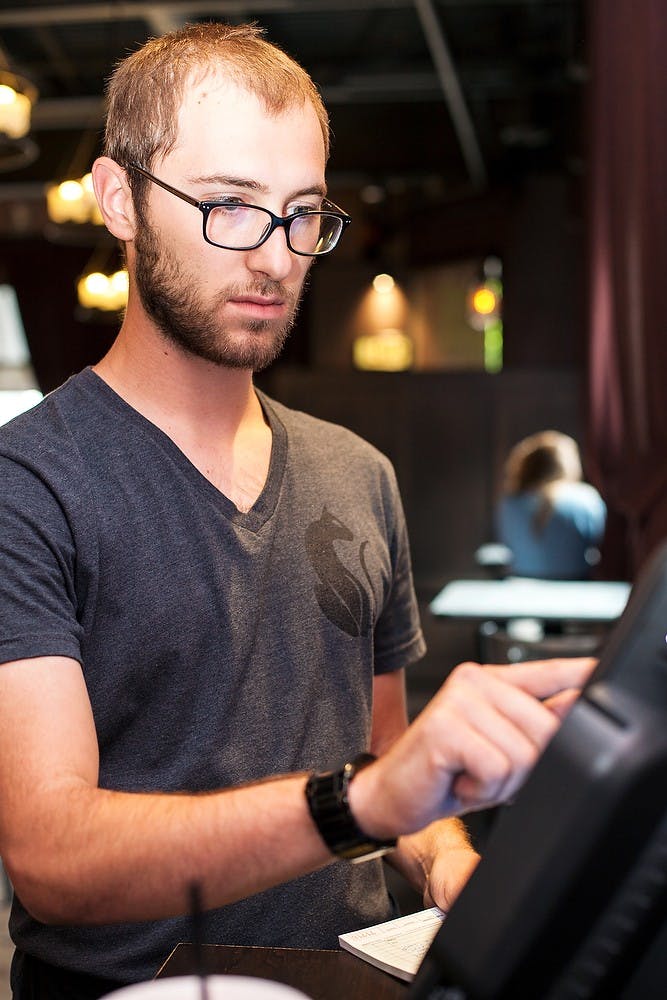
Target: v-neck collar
<point x="265" y="505"/>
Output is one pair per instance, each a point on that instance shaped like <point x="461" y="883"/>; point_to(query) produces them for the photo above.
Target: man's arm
<point x="77" y="853"/>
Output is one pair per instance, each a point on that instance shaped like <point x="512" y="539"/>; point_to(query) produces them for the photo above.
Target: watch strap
<point x="327" y="797"/>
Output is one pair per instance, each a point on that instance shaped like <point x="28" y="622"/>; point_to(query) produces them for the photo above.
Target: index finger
<point x="544" y="678"/>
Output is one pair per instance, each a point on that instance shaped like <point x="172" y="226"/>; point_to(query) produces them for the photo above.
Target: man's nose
<point x="273" y="258"/>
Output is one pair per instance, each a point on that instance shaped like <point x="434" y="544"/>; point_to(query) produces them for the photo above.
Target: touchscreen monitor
<point x="569" y="901"/>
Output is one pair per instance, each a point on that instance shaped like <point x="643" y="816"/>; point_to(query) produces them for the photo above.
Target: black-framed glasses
<point x="236" y="226"/>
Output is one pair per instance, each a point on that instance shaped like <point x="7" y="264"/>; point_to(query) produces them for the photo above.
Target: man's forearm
<point x="102" y="856"/>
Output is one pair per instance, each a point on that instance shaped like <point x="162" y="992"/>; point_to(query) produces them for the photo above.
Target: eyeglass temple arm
<point x="341" y="211"/>
<point x="165" y="186"/>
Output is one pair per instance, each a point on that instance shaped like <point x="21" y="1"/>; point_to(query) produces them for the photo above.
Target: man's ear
<point x="114" y="198"/>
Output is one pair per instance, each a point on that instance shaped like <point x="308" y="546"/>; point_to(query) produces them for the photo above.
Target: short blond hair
<point x="146" y="88"/>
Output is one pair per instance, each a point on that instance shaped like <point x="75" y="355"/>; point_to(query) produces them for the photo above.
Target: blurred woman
<point x="550" y="520"/>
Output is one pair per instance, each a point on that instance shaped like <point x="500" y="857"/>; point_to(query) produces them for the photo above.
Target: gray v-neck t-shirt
<point x="217" y="646"/>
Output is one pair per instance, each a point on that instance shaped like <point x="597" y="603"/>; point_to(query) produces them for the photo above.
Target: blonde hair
<point x="146" y="88"/>
<point x="538" y="464"/>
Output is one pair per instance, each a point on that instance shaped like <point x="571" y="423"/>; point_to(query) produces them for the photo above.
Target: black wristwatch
<point x="326" y="794"/>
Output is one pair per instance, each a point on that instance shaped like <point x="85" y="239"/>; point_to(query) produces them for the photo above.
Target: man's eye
<point x="302" y="209"/>
<point x="231" y="207"/>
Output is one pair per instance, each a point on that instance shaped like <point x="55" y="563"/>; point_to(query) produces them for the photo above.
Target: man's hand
<point x="472" y="746"/>
<point x="437" y="861"/>
<point x="449" y="872"/>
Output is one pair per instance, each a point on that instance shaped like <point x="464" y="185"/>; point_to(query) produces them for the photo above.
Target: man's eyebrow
<point x="319" y="189"/>
<point x="224" y="180"/>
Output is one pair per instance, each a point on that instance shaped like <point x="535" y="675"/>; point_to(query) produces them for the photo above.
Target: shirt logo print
<point x="343" y="598"/>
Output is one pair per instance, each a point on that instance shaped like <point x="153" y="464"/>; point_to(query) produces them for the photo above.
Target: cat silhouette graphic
<point x="343" y="598"/>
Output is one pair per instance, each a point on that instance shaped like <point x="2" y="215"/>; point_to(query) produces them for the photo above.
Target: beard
<point x="171" y="301"/>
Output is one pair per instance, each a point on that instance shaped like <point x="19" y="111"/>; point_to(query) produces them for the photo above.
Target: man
<point x="203" y="591"/>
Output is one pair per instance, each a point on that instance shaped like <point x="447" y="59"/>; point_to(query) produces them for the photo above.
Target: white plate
<point x="218" y="988"/>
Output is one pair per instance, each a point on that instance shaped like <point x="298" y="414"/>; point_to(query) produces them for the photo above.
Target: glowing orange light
<point x="484" y="301"/>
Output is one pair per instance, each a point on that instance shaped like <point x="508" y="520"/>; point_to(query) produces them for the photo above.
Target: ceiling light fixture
<point x="383" y="283"/>
<point x="72" y="198"/>
<point x="73" y="201"/>
<point x="17" y="97"/>
<point x="106" y="292"/>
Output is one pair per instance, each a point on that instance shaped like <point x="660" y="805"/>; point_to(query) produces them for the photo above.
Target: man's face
<point x="231" y="307"/>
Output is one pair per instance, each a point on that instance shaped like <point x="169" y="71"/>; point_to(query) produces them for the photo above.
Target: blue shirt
<point x="562" y="549"/>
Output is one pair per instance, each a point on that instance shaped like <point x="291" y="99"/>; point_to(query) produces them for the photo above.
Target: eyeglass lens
<point x="242" y="227"/>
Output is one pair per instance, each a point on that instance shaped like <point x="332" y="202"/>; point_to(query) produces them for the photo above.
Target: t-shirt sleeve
<point x="399" y="640"/>
<point x="37" y="583"/>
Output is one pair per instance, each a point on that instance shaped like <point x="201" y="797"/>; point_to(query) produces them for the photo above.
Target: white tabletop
<point x="521" y="597"/>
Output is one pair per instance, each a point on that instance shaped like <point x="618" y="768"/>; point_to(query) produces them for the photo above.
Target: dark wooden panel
<point x="445" y="479"/>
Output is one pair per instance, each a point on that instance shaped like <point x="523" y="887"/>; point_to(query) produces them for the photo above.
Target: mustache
<point x="266" y="288"/>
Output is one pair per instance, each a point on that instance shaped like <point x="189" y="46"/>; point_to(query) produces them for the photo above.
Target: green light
<point x="493" y="346"/>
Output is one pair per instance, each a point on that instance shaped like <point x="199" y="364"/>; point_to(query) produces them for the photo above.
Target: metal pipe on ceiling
<point x="451" y="87"/>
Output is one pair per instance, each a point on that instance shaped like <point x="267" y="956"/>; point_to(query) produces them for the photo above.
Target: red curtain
<point x="626" y="450"/>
